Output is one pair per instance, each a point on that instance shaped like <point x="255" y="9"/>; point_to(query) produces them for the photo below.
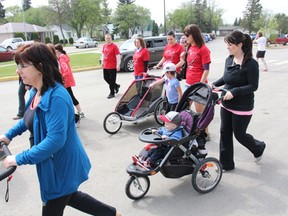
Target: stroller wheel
<point x="206" y="175"/>
<point x="112" y="123"/>
<point x="137" y="187"/>
<point x="160" y="109"/>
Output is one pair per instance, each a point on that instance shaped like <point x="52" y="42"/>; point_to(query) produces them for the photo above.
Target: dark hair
<point x="40" y="55"/>
<point x="237" y="37"/>
<point x="195" y="31"/>
<point x="59" y="47"/>
<point x="52" y="48"/>
<point x="142" y="42"/>
<point x="171" y="33"/>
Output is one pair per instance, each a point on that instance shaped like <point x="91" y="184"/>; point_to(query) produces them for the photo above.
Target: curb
<point x="11" y="78"/>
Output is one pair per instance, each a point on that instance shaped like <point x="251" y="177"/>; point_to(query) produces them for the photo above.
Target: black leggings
<point x="78" y="200"/>
<point x="237" y="124"/>
<point x="75" y="101"/>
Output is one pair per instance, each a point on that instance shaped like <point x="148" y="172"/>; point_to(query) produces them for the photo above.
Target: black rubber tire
<point x="112" y="118"/>
<point x="129" y="65"/>
<point x="133" y="183"/>
<point x="206" y="175"/>
<point x="160" y="109"/>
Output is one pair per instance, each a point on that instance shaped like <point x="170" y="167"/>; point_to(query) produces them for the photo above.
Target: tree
<point x="126" y="1"/>
<point x="282" y="21"/>
<point x="2" y="11"/>
<point x="59" y="13"/>
<point x="106" y="12"/>
<point x="92" y="20"/>
<point x="26" y="4"/>
<point x="251" y="15"/>
<point x="128" y="17"/>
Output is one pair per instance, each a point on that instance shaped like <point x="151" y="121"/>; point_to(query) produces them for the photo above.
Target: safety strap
<point x="7" y="190"/>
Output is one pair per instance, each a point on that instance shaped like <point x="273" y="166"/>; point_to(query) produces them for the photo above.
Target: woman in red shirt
<point x="198" y="61"/>
<point x="172" y="52"/>
<point x="140" y="58"/>
<point x="65" y="69"/>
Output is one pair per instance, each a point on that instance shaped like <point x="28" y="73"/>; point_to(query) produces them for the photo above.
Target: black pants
<point x="75" y="101"/>
<point x="109" y="76"/>
<point x="78" y="200"/>
<point x="21" y="96"/>
<point x="170" y="107"/>
<point x="237" y="124"/>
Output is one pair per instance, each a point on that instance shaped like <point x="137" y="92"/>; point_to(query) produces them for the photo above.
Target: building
<point x="9" y="30"/>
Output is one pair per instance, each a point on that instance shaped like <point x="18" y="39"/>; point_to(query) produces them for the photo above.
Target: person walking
<point x="240" y="80"/>
<point x="171" y="53"/>
<point x="56" y="150"/>
<point x="21" y="97"/>
<point x="66" y="71"/>
<point x="140" y="58"/>
<point x="198" y="62"/>
<point x="261" y="41"/>
<point x="111" y="64"/>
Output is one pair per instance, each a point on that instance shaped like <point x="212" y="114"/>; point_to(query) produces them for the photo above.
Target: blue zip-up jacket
<point x="61" y="161"/>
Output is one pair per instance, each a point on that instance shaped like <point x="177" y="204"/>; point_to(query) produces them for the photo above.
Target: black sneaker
<point x="111" y="96"/>
<point x="262" y="148"/>
<point x="117" y="88"/>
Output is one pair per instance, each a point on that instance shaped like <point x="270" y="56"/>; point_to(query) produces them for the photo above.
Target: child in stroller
<point x="152" y="153"/>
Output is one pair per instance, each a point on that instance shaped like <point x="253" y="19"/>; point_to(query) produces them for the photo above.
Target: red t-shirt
<point x="109" y="52"/>
<point x="139" y="58"/>
<point x="172" y="53"/>
<point x="196" y="58"/>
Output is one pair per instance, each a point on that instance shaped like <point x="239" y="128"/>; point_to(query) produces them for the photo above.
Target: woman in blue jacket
<point x="61" y="161"/>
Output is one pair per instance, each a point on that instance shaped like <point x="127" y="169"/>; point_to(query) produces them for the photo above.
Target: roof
<point x="13" y="27"/>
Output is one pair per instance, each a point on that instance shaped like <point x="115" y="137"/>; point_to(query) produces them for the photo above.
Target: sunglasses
<point x="21" y="67"/>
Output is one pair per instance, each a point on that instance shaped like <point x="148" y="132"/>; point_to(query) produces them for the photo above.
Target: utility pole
<point x="165" y="31"/>
<point x="24" y="20"/>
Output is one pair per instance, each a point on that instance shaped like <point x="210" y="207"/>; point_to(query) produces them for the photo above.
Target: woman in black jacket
<point x="240" y="79"/>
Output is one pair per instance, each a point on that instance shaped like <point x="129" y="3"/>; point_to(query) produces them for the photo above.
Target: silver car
<point x="85" y="42"/>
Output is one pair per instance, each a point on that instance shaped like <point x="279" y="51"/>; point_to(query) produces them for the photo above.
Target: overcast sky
<point x="232" y="8"/>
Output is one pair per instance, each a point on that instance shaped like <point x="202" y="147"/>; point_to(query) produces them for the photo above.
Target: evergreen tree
<point x="251" y="15"/>
<point x="2" y="11"/>
<point x="26" y="4"/>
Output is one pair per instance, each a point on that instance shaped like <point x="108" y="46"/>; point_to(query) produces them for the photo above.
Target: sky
<point x="232" y="8"/>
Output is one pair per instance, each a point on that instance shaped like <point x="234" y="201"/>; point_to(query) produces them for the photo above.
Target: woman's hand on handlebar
<point x="9" y="161"/>
<point x="3" y="138"/>
<point x="156" y="67"/>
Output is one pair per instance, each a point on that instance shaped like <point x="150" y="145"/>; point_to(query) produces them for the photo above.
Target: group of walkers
<point x="49" y="115"/>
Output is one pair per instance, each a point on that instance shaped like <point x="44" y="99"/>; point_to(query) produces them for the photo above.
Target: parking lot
<point x="252" y="189"/>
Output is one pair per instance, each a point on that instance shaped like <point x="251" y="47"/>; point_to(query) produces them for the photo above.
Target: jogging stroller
<point x="186" y="156"/>
<point x="144" y="97"/>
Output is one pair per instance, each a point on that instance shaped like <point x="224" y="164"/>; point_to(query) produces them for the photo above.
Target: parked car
<point x="6" y="55"/>
<point x="155" y="45"/>
<point x="85" y="42"/>
<point x="13" y="43"/>
<point x="253" y="36"/>
<point x="178" y="36"/>
<point x="281" y="39"/>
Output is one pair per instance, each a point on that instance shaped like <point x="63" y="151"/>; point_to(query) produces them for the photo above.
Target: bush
<point x="71" y="40"/>
<point x="55" y="39"/>
<point x="19" y="34"/>
<point x="47" y="40"/>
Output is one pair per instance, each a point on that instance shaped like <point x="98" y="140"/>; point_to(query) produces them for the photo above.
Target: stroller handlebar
<point x="148" y="136"/>
<point x="11" y="169"/>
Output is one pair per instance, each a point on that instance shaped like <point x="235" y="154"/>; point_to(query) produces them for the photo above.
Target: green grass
<point x="78" y="61"/>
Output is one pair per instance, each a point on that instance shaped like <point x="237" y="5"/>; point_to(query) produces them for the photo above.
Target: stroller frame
<point x="144" y="97"/>
<point x="184" y="156"/>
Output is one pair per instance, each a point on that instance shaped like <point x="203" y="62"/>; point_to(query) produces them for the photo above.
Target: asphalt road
<point x="252" y="189"/>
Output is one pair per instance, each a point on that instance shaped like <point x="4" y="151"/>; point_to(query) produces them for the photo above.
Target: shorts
<point x="260" y="54"/>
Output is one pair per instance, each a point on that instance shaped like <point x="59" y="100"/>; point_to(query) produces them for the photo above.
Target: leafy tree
<point x="58" y="10"/>
<point x="128" y="17"/>
<point x="26" y="4"/>
<point x="282" y="21"/>
<point x="12" y="13"/>
<point x="106" y="12"/>
<point x="251" y="15"/>
<point x="92" y="20"/>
